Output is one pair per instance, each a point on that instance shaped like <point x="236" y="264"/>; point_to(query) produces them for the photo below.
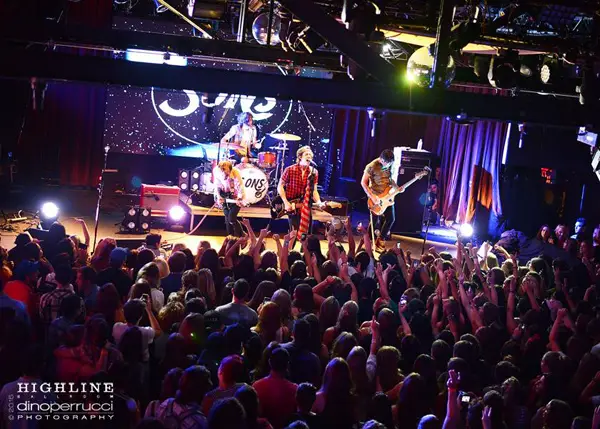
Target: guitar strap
<point x="305" y="210"/>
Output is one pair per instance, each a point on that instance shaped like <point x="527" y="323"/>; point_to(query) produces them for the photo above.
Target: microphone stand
<point x="100" y="193"/>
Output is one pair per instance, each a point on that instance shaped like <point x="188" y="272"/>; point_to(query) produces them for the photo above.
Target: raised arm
<point x="251" y="235"/>
<point x="452" y="420"/>
<point x="351" y="241"/>
<point x="255" y="251"/>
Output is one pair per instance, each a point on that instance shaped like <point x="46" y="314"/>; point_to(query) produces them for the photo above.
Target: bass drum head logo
<point x="186" y="113"/>
<point x="255" y="184"/>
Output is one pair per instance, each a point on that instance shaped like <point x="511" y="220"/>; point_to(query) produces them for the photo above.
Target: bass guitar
<point x="278" y="208"/>
<point x="386" y="198"/>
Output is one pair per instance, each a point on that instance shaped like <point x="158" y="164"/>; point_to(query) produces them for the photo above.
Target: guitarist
<point x="377" y="178"/>
<point x="228" y="186"/>
<point x="299" y="181"/>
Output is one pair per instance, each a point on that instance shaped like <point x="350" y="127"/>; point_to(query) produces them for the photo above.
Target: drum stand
<point x="280" y="162"/>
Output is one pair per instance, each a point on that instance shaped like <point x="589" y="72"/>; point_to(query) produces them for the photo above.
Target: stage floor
<point x="79" y="203"/>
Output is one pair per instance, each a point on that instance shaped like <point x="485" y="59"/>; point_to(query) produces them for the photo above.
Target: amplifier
<point x="415" y="158"/>
<point x="337" y="212"/>
<point x="159" y="198"/>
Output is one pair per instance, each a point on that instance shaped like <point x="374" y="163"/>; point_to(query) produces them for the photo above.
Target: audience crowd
<point x="242" y="337"/>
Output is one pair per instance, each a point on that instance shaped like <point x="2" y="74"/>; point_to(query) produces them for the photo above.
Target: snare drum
<point x="255" y="184"/>
<point x="267" y="160"/>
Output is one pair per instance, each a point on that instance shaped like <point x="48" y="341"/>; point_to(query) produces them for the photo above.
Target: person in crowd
<point x="183" y="410"/>
<point x="231" y="371"/>
<point x="17" y="308"/>
<point x="133" y="311"/>
<point x="17" y="253"/>
<point x="22" y="287"/>
<point x="50" y="302"/>
<point x="305" y="366"/>
<point x="116" y="274"/>
<point x="70" y="312"/>
<point x="152" y="243"/>
<point x="249" y="400"/>
<point x="172" y="283"/>
<point x="87" y="287"/>
<point x="276" y="394"/>
<point x="237" y="311"/>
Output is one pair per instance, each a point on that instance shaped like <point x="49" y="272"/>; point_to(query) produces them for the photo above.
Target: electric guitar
<point x="386" y="198"/>
<point x="278" y="208"/>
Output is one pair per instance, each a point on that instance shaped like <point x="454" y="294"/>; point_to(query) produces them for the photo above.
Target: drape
<point x="353" y="143"/>
<point x="470" y="169"/>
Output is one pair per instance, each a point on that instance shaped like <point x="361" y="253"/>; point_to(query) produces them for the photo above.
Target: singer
<point x="298" y="191"/>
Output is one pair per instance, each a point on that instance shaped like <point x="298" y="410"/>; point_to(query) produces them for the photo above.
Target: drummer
<point x="243" y="134"/>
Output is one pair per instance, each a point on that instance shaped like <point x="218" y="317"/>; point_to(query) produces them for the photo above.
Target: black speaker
<point x="137" y="220"/>
<point x="130" y="243"/>
<point x="410" y="207"/>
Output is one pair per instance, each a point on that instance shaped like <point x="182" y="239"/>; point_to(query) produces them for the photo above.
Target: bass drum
<point x="255" y="183"/>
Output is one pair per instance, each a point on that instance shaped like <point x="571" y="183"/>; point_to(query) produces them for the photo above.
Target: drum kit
<point x="259" y="175"/>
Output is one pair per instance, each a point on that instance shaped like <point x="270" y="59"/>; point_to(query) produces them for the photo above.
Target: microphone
<point x="106" y="148"/>
<point x="314" y="164"/>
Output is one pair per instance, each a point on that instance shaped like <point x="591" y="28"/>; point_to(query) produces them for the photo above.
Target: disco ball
<point x="419" y="68"/>
<point x="261" y="25"/>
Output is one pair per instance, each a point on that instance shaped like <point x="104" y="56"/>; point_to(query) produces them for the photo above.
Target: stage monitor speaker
<point x="409" y="208"/>
<point x="130" y="243"/>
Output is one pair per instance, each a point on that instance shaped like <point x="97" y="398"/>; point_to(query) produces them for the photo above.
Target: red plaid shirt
<point x="294" y="183"/>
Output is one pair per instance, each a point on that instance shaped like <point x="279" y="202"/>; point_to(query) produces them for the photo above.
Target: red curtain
<point x="63" y="141"/>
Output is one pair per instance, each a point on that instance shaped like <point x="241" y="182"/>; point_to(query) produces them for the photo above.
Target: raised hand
<point x="486" y="418"/>
<point x="453" y="382"/>
<point x="375" y="328"/>
<point x="275" y="237"/>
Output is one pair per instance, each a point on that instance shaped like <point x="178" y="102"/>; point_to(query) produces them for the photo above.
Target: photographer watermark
<point x="61" y="401"/>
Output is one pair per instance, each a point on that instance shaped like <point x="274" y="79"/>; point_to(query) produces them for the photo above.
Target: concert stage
<point x="196" y="213"/>
<point x="80" y="203"/>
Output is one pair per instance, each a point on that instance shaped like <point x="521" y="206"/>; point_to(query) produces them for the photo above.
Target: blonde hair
<point x="301" y="152"/>
<point x="223" y="165"/>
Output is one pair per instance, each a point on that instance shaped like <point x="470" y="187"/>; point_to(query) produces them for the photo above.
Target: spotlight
<point x="419" y="67"/>
<point x="49" y="212"/>
<point x="176" y="213"/>
<point x="176" y="217"/>
<point x="466" y="230"/>
<point x="504" y="70"/>
<point x="260" y="28"/>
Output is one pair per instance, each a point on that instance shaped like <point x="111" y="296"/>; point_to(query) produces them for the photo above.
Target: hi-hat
<point x="285" y="137"/>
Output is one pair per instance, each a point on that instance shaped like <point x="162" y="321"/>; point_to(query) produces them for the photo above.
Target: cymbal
<point x="279" y="148"/>
<point x="227" y="145"/>
<point x="285" y="137"/>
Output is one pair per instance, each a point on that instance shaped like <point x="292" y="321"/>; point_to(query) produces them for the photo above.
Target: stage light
<point x="466" y="230"/>
<point x="155" y="57"/>
<point x="145" y="219"/>
<point x="184" y="180"/>
<point x="420" y="64"/>
<point x="207" y="9"/>
<point x="260" y="27"/>
<point x="504" y="70"/>
<point x="49" y="212"/>
<point x="195" y="181"/>
<point x="176" y="213"/>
